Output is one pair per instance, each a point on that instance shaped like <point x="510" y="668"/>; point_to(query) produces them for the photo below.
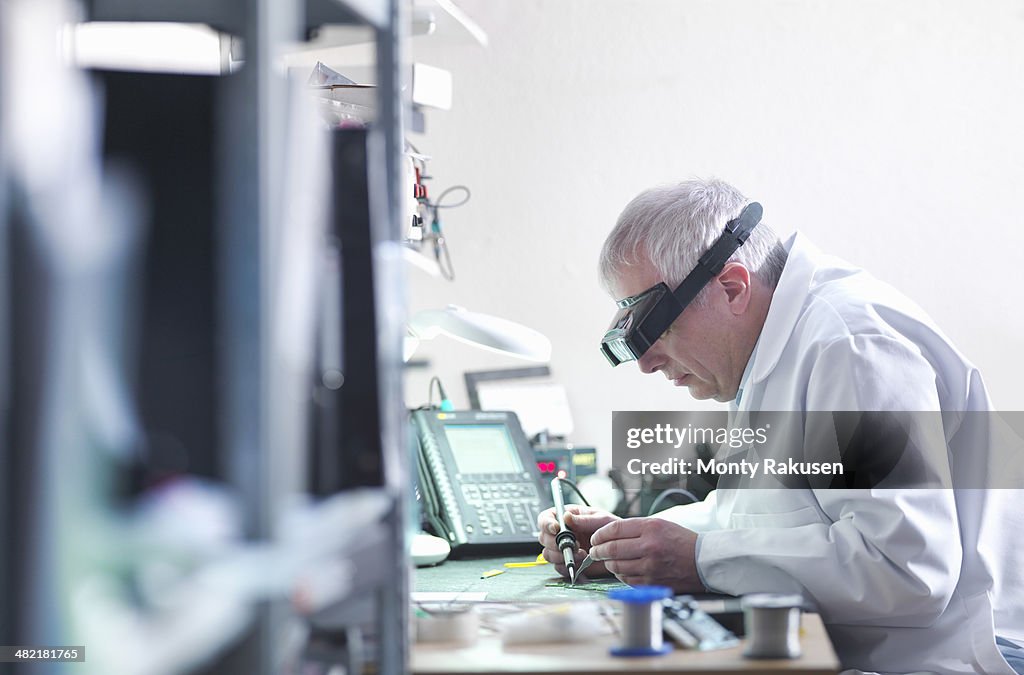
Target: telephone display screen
<point x="483" y="448"/>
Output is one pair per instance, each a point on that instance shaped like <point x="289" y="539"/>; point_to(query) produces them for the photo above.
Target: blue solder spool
<point x="641" y="621"/>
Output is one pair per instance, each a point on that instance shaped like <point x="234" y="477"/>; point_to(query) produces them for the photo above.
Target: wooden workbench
<point x="529" y="585"/>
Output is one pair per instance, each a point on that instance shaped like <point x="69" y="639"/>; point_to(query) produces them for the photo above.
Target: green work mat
<point x="519" y="584"/>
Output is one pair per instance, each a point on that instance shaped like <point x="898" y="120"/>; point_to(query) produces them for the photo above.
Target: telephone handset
<point x="478" y="478"/>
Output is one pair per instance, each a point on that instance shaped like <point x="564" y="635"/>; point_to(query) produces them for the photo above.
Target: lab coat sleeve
<point x="867" y="555"/>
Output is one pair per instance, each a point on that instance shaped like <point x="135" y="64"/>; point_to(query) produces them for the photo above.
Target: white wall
<point x="888" y="131"/>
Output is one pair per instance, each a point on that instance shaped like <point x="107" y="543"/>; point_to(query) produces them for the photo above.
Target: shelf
<point x="230" y="16"/>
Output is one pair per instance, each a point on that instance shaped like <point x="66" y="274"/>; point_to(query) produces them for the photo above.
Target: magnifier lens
<point x="617" y="342"/>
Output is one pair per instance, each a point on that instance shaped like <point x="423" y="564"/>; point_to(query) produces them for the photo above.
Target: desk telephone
<point x="478" y="478"/>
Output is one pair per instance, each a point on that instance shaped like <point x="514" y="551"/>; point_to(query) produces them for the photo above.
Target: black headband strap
<point x="711" y="263"/>
<point x="670" y="306"/>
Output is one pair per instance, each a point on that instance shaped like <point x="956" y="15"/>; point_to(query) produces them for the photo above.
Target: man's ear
<point x="735" y="281"/>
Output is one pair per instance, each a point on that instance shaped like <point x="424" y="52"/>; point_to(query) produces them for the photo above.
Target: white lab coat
<point x="898" y="589"/>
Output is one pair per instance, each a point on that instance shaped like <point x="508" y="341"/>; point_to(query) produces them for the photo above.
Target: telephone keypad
<point x="502" y="504"/>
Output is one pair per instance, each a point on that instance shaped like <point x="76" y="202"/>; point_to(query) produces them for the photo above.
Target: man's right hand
<point x="583" y="521"/>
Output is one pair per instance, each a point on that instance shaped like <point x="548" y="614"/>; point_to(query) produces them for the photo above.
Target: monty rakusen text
<point x="687" y="467"/>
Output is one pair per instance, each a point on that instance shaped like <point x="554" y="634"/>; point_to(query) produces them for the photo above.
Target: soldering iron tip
<point x="572" y="577"/>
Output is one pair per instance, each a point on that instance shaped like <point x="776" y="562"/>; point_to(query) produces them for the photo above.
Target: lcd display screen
<point x="483" y="448"/>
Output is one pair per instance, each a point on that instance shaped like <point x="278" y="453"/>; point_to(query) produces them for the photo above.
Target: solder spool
<point x="459" y="624"/>
<point x="772" y="624"/>
<point x="641" y="621"/>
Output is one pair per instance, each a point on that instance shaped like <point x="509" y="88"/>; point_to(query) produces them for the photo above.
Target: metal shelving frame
<point x="251" y="146"/>
<point x="254" y="105"/>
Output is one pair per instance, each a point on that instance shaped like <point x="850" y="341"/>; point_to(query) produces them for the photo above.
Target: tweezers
<point x="583" y="566"/>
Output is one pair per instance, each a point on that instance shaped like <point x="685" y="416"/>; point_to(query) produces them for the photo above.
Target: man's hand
<point x="649" y="552"/>
<point x="583" y="521"/>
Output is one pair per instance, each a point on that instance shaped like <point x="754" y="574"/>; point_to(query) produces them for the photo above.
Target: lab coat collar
<point x="787" y="303"/>
<point x="745" y="380"/>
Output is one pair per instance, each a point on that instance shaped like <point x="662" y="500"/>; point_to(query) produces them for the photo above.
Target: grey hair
<point x="673" y="225"/>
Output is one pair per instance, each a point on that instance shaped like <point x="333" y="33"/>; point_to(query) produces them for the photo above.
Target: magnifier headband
<point x="644" y="317"/>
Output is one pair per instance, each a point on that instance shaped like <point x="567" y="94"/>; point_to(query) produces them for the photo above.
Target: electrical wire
<point x="441" y="253"/>
<point x="430" y="392"/>
<point x="671" y="492"/>
<point x="440" y="198"/>
<point x="444" y="258"/>
<point x="575" y="489"/>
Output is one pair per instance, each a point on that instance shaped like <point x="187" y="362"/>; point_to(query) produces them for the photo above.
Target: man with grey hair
<point x="905" y="580"/>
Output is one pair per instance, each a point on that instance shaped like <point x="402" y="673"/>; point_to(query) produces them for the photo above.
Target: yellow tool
<point x="539" y="561"/>
<point x="491" y="573"/>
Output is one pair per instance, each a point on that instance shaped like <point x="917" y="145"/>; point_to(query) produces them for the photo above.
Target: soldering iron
<point x="565" y="539"/>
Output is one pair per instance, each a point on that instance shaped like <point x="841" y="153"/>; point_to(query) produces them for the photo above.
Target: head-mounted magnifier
<point x="642" y="318"/>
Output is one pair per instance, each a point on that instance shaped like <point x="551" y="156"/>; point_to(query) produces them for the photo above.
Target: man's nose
<point x="651" y="361"/>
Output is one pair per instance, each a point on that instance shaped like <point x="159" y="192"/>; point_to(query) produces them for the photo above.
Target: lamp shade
<point x="480" y="330"/>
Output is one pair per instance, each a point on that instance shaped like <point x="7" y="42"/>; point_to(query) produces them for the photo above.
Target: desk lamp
<point x="480" y="330"/>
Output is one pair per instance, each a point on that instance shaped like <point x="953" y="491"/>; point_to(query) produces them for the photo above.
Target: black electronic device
<point x="478" y="478"/>
<point x="691" y="627"/>
<point x="574" y="462"/>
